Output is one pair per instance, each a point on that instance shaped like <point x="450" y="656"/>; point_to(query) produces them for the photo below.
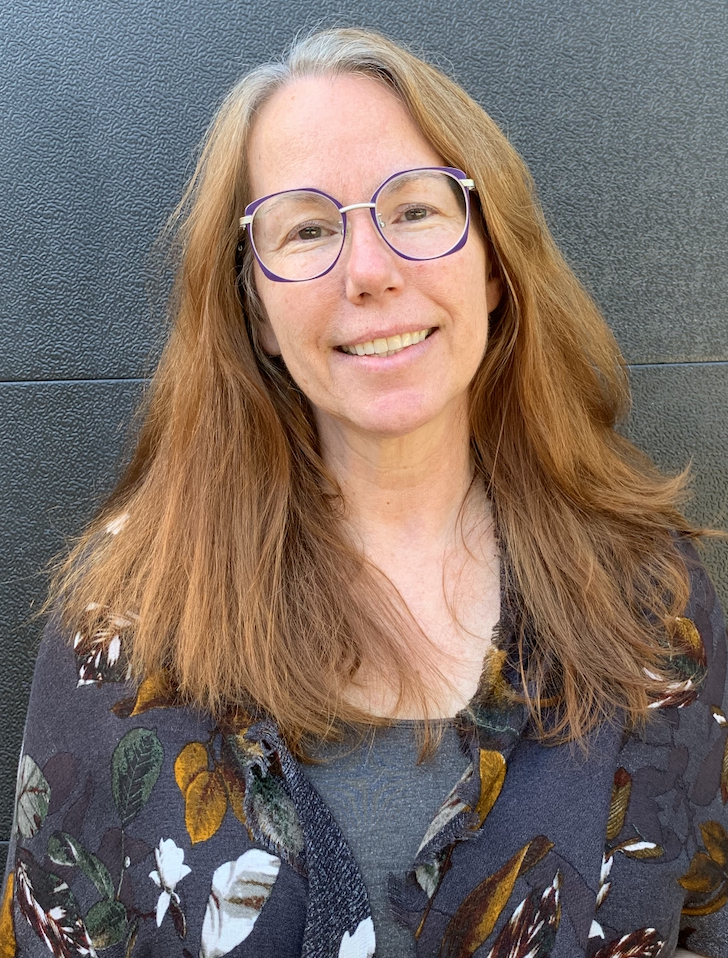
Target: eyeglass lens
<point x="421" y="214"/>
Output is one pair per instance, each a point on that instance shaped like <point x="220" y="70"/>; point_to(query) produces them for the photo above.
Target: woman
<point x="380" y="569"/>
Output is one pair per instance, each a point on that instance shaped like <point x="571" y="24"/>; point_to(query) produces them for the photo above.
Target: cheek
<point x="289" y="327"/>
<point x="296" y="317"/>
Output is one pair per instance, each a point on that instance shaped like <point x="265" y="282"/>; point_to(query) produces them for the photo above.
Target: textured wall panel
<point x="680" y="417"/>
<point x="620" y="110"/>
<point x="60" y="445"/>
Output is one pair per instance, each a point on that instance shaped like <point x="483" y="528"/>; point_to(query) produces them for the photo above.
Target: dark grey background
<point x="619" y="108"/>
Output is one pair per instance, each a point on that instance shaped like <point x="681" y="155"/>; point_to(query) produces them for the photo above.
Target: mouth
<point x="389" y="346"/>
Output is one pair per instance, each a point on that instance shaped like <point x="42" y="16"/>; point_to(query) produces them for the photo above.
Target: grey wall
<point x="620" y="110"/>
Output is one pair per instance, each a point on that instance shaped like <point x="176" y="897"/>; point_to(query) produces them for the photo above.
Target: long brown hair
<point x="231" y="561"/>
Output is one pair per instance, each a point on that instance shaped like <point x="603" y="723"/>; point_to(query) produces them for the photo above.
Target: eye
<point x="415" y="213"/>
<point x="310" y="232"/>
<point x="314" y="231"/>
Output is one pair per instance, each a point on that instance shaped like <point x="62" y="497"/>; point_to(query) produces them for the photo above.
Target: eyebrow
<point x="277" y="198"/>
<point x="408" y="175"/>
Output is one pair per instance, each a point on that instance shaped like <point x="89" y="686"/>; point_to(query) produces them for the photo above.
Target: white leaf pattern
<point x="170" y="870"/>
<point x="531" y="931"/>
<point x="239" y="891"/>
<point x="451" y="807"/>
<point x="361" y="944"/>
<point x="51" y="910"/>
<point x="34" y="795"/>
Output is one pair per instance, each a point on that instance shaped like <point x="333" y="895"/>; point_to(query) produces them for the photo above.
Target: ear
<point x="493" y="292"/>
<point x="267" y="339"/>
<point x="261" y="327"/>
<point x="494" y="278"/>
<point x="494" y="284"/>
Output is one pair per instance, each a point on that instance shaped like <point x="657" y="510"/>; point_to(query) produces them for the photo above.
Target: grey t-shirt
<point x="383" y="802"/>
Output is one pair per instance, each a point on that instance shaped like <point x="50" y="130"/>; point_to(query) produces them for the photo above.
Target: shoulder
<point x="667" y="831"/>
<point x="130" y="820"/>
<point x="704" y="610"/>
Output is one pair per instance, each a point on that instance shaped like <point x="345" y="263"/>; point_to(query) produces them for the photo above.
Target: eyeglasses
<point x="421" y="214"/>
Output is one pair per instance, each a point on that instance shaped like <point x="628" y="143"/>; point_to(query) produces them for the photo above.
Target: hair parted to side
<point x="232" y="558"/>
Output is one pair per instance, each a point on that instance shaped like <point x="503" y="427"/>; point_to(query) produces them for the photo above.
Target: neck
<point x="417" y="515"/>
<point x="405" y="490"/>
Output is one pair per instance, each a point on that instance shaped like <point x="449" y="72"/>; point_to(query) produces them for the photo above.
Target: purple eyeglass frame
<point x="462" y="178"/>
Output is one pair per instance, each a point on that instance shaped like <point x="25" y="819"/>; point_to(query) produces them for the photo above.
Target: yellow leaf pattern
<point x="8" y="946"/>
<point x="190" y="762"/>
<point x="716" y="842"/>
<point x="706" y="880"/>
<point x="155" y="691"/>
<point x="492" y="776"/>
<point x="205" y="806"/>
<point x="688" y="634"/>
<point x="476" y="917"/>
<point x="235" y="792"/>
<point x="621" y="791"/>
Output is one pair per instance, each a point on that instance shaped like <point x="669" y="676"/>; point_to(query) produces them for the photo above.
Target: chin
<point x="394" y="427"/>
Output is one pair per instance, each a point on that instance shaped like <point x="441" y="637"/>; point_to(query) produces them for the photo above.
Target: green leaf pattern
<point x="106" y="923"/>
<point x="64" y="849"/>
<point x="135" y="768"/>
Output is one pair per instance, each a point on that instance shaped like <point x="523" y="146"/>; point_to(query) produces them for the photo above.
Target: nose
<point x="371" y="268"/>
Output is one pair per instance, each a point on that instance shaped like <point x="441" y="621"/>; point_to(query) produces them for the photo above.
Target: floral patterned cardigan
<point x="144" y="829"/>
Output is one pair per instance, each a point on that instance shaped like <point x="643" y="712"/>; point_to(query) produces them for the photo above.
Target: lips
<point x="389" y="346"/>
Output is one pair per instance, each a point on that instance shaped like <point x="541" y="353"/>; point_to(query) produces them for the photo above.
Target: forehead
<point x="341" y="134"/>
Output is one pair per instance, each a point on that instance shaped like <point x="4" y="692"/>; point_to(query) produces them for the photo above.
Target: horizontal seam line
<point x="64" y="382"/>
<point x="687" y="362"/>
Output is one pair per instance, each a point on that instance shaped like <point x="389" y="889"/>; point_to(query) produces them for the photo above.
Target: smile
<point x="388" y="346"/>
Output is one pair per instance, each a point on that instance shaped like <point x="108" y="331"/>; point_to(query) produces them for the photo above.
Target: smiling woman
<point x="387" y="640"/>
<point x="411" y="284"/>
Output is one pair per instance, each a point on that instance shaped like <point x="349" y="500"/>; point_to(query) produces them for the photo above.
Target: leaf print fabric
<point x="492" y="776"/>
<point x="8" y="945"/>
<point x="106" y="923"/>
<point x="688" y="662"/>
<point x="145" y="828"/>
<point x="621" y="791"/>
<point x="361" y="944"/>
<point x="453" y="806"/>
<point x="34" y="795"/>
<point x="135" y="768"/>
<point x="204" y="792"/>
<point x="707" y="878"/>
<point x="205" y="805"/>
<point x="643" y="943"/>
<point x="239" y="891"/>
<point x="156" y="691"/>
<point x="272" y="815"/>
<point x="50" y="908"/>
<point x="477" y="916"/>
<point x="169" y="871"/>
<point x="531" y="931"/>
<point x="100" y="654"/>
<point x="64" y="849"/>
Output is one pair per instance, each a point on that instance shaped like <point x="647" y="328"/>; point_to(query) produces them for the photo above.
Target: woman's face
<point x="345" y="135"/>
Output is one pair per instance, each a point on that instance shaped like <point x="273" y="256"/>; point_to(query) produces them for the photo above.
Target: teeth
<point x="389" y="346"/>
